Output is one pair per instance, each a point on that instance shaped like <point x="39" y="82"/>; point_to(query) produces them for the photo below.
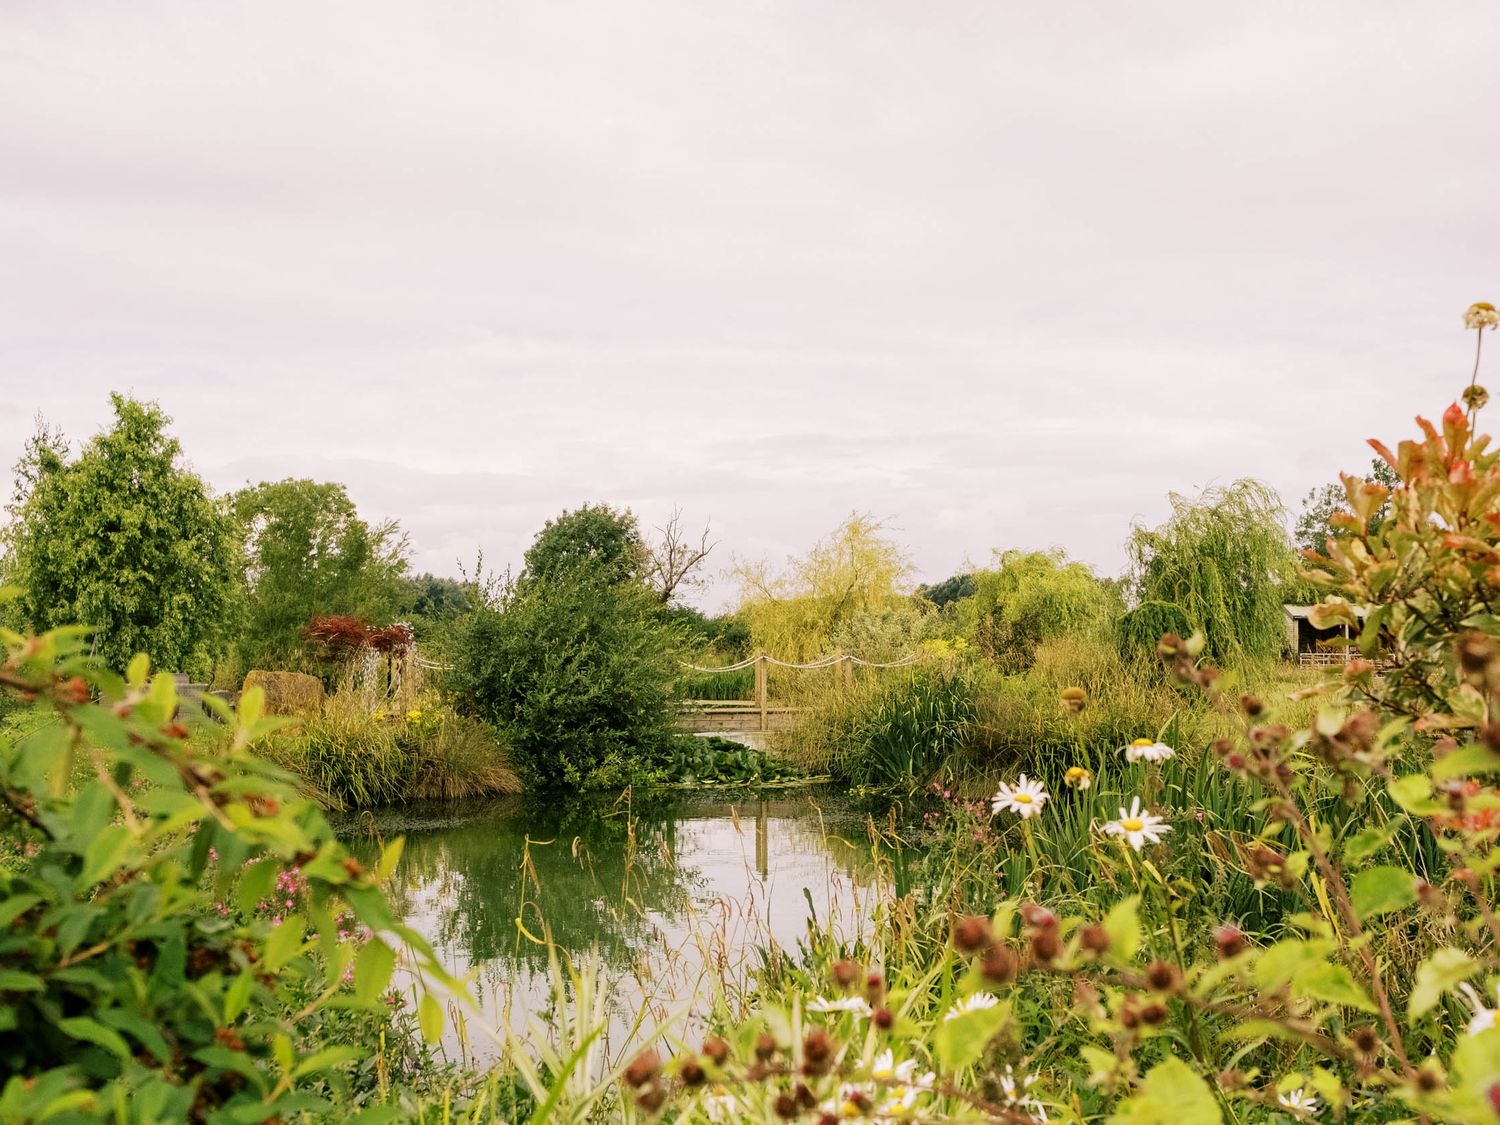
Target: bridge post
<point x="760" y="686"/>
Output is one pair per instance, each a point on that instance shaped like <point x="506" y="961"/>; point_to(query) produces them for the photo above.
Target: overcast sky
<point x="1005" y="273"/>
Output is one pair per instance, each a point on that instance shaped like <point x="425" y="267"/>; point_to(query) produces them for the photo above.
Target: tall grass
<point x="351" y="758"/>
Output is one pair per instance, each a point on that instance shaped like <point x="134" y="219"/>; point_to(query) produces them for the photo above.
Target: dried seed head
<point x="1000" y="965"/>
<point x="874" y="985"/>
<point x="652" y="1098"/>
<point x="845" y="973"/>
<point x="1230" y="942"/>
<point x="690" y="1070"/>
<point x="1038" y="916"/>
<point x="806" y="1099"/>
<point x="1094" y="939"/>
<point x="1163" y="977"/>
<point x="971" y="934"/>
<point x="1154" y="1013"/>
<point x="1366" y="1039"/>
<point x="786" y="1106"/>
<point x="644" y="1067"/>
<point x="1045" y="946"/>
<point x="716" y="1049"/>
<point x="765" y="1045"/>
<point x="817" y="1052"/>
<point x="884" y="1019"/>
<point x="1251" y="705"/>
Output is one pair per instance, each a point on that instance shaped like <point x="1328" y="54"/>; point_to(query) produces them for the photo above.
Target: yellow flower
<point x="380" y="716"/>
<point x="414" y="715"/>
<point x="1078" y="777"/>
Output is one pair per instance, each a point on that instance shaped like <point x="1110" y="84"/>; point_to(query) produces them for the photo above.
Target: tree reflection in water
<point x="667" y="887"/>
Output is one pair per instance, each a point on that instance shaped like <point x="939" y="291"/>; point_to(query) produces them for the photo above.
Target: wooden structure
<point x="1311" y="647"/>
<point x="757" y="715"/>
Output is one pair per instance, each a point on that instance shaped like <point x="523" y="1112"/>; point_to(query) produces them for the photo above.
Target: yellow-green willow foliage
<point x="796" y="614"/>
<point x="1030" y="597"/>
<point x="1223" y="559"/>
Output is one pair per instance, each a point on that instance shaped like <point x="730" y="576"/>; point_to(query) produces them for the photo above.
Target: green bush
<point x="150" y="966"/>
<point x="576" y="673"/>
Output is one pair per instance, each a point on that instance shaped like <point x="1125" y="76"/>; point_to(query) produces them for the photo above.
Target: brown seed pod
<point x="643" y="1068"/>
<point x="1093" y="939"/>
<point x="1163" y="977"/>
<point x="716" y="1049"/>
<point x="971" y="934"/>
<point x="1000" y="965"/>
<point x="846" y="972"/>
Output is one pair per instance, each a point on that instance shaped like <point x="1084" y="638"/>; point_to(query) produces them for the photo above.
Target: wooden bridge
<point x="757" y="716"/>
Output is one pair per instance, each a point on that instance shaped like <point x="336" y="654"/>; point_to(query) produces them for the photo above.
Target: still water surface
<point x="677" y="892"/>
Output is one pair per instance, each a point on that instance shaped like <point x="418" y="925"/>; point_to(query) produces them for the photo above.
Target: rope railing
<point x="825" y="662"/>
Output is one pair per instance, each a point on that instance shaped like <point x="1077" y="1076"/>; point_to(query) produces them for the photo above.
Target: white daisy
<point x="855" y="1004"/>
<point x="1147" y="750"/>
<point x="1299" y="1101"/>
<point x="1137" y="826"/>
<point x="721" y="1105"/>
<point x="1015" y="1094"/>
<point x="887" y="1069"/>
<point x="975" y="1003"/>
<point x="1024" y="798"/>
<point x="1484" y="1018"/>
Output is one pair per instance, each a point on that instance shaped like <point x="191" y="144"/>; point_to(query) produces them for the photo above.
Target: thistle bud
<point x="1230" y="942"/>
<point x="845" y="973"/>
<point x="716" y="1049"/>
<point x="817" y="1052"/>
<point x="1094" y="939"/>
<point x="786" y="1106"/>
<point x="652" y="1098"/>
<point x="1163" y="977"/>
<point x="971" y="934"/>
<point x="644" y="1067"/>
<point x="1154" y="1014"/>
<point x="874" y="985"/>
<point x="690" y="1070"/>
<point x="1365" y="1039"/>
<point x="1045" y="946"/>
<point x="1000" y="965"/>
<point x="765" y="1045"/>
<point x="1250" y="705"/>
<point x="884" y="1019"/>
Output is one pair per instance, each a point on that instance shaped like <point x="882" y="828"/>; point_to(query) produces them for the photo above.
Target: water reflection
<point x="677" y="892"/>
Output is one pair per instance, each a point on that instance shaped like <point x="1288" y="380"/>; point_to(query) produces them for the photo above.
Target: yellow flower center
<point x="1022" y="798"/>
<point x="1132" y="824"/>
<point x="1139" y="742"/>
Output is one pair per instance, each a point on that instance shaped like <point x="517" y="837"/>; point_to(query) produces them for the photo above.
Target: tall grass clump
<point x="890" y="732"/>
<point x="350" y="757"/>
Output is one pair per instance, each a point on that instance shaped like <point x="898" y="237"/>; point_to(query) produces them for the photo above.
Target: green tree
<point x="576" y="672"/>
<point x="308" y="552"/>
<point x="595" y="537"/>
<point x="796" y="614"/>
<point x="126" y="540"/>
<point x="1320" y="504"/>
<point x="1031" y="597"/>
<point x="1224" y="560"/>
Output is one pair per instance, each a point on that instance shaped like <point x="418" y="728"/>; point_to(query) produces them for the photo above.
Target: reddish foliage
<point x="395" y="638"/>
<point x="337" y="636"/>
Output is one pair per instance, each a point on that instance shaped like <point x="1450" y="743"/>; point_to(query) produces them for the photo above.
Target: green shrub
<point x="145" y="975"/>
<point x="889" y="732"/>
<point x="576" y="673"/>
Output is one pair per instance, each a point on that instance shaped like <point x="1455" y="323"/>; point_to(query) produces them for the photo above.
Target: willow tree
<point x="1032" y="596"/>
<point x="796" y="613"/>
<point x="1223" y="559"/>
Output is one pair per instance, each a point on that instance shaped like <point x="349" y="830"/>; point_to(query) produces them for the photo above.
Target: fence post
<point x="760" y="686"/>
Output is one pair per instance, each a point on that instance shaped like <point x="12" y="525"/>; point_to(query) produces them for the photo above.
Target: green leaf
<point x="390" y="855"/>
<point x="137" y="670"/>
<point x="1281" y="962"/>
<point x="1382" y="890"/>
<point x="1435" y="976"/>
<point x="959" y="1040"/>
<point x="255" y="883"/>
<point x="1170" y="1094"/>
<point x="1365" y="843"/>
<point x="1335" y="985"/>
<point x="372" y="969"/>
<point x="252" y="707"/>
<point x="13" y="980"/>
<point x="1465" y="762"/>
<point x="284" y="943"/>
<point x="105" y="853"/>
<point x="1123" y="926"/>
<point x="237" y="996"/>
<point x="326" y="1059"/>
<point x="430" y="1017"/>
<point x="1414" y="794"/>
<point x="91" y="1031"/>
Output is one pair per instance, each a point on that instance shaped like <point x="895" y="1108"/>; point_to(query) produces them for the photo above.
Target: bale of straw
<point x="288" y="693"/>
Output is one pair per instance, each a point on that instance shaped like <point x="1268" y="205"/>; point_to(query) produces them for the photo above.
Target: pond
<point x="677" y="891"/>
